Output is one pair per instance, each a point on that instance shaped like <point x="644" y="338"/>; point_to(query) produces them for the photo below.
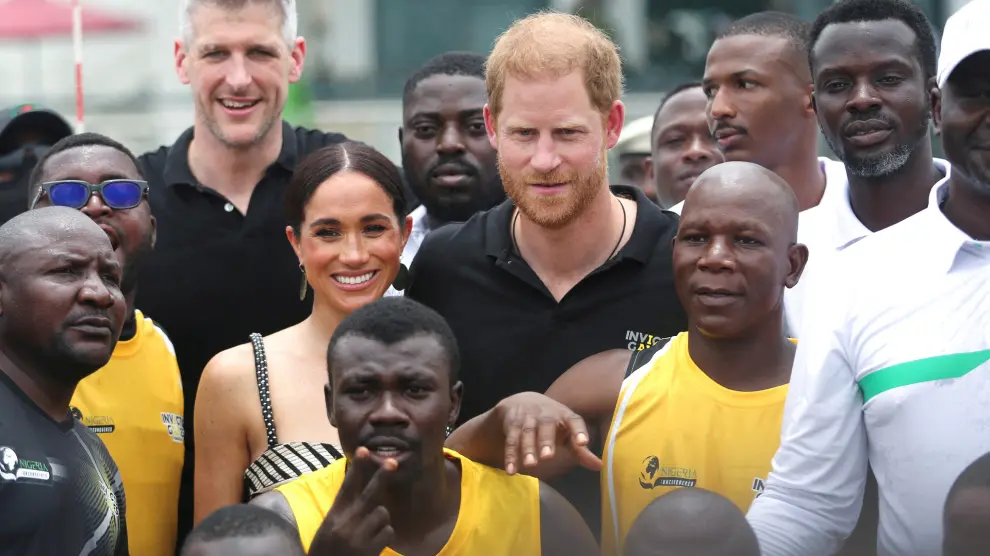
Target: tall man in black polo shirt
<point x="61" y="312"/>
<point x="222" y="267"/>
<point x="567" y="267"/>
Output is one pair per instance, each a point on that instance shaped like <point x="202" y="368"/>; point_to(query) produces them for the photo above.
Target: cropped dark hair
<point x="448" y="63"/>
<point x="238" y="521"/>
<point x="69" y="143"/>
<point x="772" y="24"/>
<point x="391" y="320"/>
<point x="322" y="164"/>
<point x="853" y="11"/>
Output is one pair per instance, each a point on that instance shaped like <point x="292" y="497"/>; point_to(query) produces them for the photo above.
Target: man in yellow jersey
<point x="701" y="409"/>
<point x="691" y="522"/>
<point x="393" y="392"/>
<point x="134" y="403"/>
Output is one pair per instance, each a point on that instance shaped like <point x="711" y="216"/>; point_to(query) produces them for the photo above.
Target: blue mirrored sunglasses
<point x="116" y="194"/>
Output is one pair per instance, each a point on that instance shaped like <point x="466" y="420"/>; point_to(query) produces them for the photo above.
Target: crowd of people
<point x="746" y="350"/>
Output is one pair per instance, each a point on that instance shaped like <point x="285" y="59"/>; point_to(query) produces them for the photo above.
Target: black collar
<point x="177" y="169"/>
<point x="650" y="221"/>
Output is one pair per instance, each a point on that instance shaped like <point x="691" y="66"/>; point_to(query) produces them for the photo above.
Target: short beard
<point x="66" y="365"/>
<point x="217" y="132"/>
<point x="879" y="166"/>
<point x="883" y="164"/>
<point x="555" y="213"/>
<point x="488" y="196"/>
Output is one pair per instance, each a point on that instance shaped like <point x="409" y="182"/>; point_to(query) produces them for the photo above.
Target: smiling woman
<point x="347" y="225"/>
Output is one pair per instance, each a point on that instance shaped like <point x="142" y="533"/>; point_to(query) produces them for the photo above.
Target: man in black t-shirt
<point x="568" y="266"/>
<point x="61" y="311"/>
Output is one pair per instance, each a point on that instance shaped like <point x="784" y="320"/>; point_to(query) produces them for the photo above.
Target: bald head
<point x="737" y="241"/>
<point x="691" y="522"/>
<point x="61" y="308"/>
<point x="37" y="229"/>
<point x="749" y="185"/>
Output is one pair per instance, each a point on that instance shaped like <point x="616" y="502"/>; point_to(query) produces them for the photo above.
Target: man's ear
<point x="456" y="396"/>
<point x="490" y="128"/>
<point x="810" y="107"/>
<point x="936" y="100"/>
<point x="181" y="62"/>
<point x="328" y="399"/>
<point x="797" y="256"/>
<point x="154" y="231"/>
<point x="614" y="121"/>
<point x="298" y="56"/>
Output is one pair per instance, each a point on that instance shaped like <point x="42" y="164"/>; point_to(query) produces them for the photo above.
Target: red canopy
<point x="33" y="19"/>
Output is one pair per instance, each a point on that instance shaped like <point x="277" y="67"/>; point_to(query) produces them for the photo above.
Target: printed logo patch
<point x="655" y="475"/>
<point x="99" y="424"/>
<point x="638" y="341"/>
<point x="175" y="425"/>
<point x="13" y="468"/>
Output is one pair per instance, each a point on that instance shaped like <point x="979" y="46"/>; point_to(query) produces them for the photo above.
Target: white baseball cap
<point x="635" y="136"/>
<point x="966" y="32"/>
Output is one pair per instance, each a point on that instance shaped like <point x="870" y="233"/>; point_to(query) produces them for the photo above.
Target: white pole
<point x="77" y="51"/>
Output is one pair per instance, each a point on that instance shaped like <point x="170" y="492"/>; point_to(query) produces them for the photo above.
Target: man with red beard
<point x="568" y="266"/>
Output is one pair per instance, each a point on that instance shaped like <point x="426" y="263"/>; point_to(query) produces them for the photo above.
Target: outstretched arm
<point x="591" y="388"/>
<point x="526" y="432"/>
<point x="508" y="435"/>
<point x="562" y="531"/>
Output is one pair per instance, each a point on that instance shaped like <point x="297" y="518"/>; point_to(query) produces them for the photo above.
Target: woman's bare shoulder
<point x="231" y="367"/>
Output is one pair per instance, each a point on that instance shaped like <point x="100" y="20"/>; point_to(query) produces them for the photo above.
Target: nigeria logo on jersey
<point x="13" y="468"/>
<point x="99" y="424"/>
<point x="655" y="475"/>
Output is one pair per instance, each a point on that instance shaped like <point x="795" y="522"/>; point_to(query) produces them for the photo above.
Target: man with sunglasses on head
<point x="134" y="403"/>
<point x="27" y="131"/>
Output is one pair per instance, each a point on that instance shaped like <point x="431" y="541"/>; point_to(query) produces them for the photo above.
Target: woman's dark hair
<point x="321" y="165"/>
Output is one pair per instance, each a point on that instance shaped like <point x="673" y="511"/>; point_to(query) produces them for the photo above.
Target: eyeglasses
<point x="117" y="194"/>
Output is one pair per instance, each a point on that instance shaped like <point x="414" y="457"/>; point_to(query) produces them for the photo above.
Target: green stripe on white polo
<point x="940" y="367"/>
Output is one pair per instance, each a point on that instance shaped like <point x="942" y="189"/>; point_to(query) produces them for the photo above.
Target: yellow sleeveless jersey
<point x="675" y="427"/>
<point x="500" y="514"/>
<point x="134" y="404"/>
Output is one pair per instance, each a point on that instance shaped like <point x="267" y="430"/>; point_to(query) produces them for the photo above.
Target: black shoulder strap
<point x="643" y="356"/>
<point x="261" y="371"/>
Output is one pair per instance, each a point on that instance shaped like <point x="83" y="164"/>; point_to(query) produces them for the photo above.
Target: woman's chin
<point x="350" y="301"/>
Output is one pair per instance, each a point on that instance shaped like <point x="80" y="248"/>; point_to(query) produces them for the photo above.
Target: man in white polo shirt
<point x="873" y="64"/>
<point x="898" y="362"/>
